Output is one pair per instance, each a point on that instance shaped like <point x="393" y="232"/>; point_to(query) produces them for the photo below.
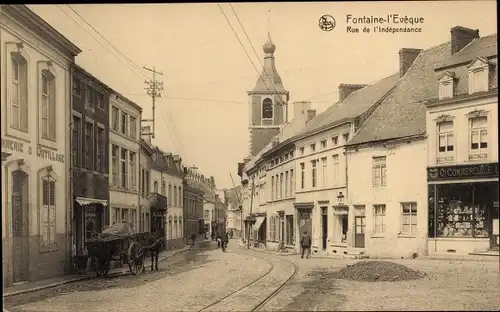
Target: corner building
<point x="36" y="110"/>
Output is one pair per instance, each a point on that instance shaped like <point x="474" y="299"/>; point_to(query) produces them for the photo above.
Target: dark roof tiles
<point x="482" y="47"/>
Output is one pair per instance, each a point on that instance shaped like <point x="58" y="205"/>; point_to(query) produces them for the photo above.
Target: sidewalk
<point x="66" y="279"/>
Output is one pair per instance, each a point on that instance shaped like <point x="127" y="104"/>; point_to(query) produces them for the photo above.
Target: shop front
<point x="463" y="208"/>
<point x="304" y="220"/>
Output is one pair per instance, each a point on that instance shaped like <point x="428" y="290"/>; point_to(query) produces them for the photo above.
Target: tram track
<point x="221" y="303"/>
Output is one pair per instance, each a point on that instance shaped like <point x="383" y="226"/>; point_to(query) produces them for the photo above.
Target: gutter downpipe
<point x="70" y="205"/>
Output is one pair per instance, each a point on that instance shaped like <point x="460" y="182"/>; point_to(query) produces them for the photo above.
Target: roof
<point x="357" y="103"/>
<point x="402" y="114"/>
<point x="483" y="47"/>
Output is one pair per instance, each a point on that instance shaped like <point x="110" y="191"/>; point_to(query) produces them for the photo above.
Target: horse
<point x="154" y="245"/>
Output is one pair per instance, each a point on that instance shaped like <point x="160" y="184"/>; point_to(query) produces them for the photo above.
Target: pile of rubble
<point x="377" y="271"/>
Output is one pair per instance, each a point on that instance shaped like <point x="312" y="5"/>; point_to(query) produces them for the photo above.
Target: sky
<point x="203" y="113"/>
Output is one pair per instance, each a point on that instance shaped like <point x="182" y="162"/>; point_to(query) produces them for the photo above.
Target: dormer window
<point x="478" y="75"/>
<point x="446" y="85"/>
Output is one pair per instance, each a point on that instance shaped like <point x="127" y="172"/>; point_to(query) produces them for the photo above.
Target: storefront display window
<point x="461" y="209"/>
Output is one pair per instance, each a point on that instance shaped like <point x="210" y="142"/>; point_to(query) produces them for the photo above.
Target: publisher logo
<point x="326" y="23"/>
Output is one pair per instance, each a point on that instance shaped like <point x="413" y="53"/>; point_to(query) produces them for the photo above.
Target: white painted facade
<point x="326" y="150"/>
<point x="124" y="153"/>
<point x="35" y="148"/>
<point x="404" y="183"/>
<point x="174" y="193"/>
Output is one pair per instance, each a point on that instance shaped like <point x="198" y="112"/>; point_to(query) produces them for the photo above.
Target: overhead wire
<point x="134" y="68"/>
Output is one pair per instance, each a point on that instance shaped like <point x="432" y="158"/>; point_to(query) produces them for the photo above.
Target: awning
<point x="258" y="223"/>
<point x="91" y="201"/>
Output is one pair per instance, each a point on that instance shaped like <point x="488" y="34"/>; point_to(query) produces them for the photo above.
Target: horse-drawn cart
<point x="117" y="243"/>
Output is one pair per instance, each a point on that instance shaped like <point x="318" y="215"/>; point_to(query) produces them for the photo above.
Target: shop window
<point x="379" y="219"/>
<point x="465" y="209"/>
<point x="408" y="218"/>
<point x="478" y="138"/>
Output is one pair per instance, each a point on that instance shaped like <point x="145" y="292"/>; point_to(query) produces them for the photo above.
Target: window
<point x="169" y="199"/>
<point x="101" y="160"/>
<point x="324" y="170"/>
<point x="292" y="182"/>
<point x="336" y="168"/>
<point x="19" y="93"/>
<point x="445" y="137"/>
<point x="206" y="214"/>
<point x="99" y="99"/>
<point x="133" y="218"/>
<point x="125" y="216"/>
<point x="155" y="186"/>
<point x="379" y="171"/>
<point x="291" y="154"/>
<point x="335" y="140"/>
<point x="147" y="182"/>
<point x="89" y="146"/>
<point x="133" y="168"/>
<point x="409" y="218"/>
<point x="48" y="211"/>
<point x="163" y="188"/>
<point x="123" y="168"/>
<point x="478" y="80"/>
<point x="272" y="188"/>
<point x="114" y="165"/>
<point x="286" y="184"/>
<point x="267" y="108"/>
<point x="124" y="123"/>
<point x="175" y="195"/>
<point x="379" y="218"/>
<point x="133" y="127"/>
<point x="180" y="197"/>
<point x="89" y="98"/>
<point x="77" y="87"/>
<point x="301" y="151"/>
<point x="281" y="185"/>
<point x="446" y="89"/>
<point x="77" y="141"/>
<point x="323" y="144"/>
<point x="277" y="187"/>
<point x="313" y="163"/>
<point x="48" y="106"/>
<point x="302" y="175"/>
<point x="478" y="137"/>
<point x="313" y="147"/>
<point x="345" y="137"/>
<point x="115" y="118"/>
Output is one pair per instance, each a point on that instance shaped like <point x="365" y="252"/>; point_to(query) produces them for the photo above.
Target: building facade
<point x="462" y="148"/>
<point x="145" y="165"/>
<point x="166" y="177"/>
<point x="124" y="151"/>
<point x="36" y="113"/>
<point x="193" y="203"/>
<point x="89" y="163"/>
<point x="234" y="222"/>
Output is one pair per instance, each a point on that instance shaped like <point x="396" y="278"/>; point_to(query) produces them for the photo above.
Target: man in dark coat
<point x="305" y="243"/>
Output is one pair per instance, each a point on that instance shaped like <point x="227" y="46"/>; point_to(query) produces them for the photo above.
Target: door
<point x="20" y="226"/>
<point x="324" y="227"/>
<point x="305" y="224"/>
<point x="359" y="232"/>
<point x="495" y="227"/>
<point x="282" y="230"/>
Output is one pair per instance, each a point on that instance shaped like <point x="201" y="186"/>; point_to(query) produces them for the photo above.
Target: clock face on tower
<point x="267" y="108"/>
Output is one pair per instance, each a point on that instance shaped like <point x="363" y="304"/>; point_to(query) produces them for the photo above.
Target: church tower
<point x="267" y="103"/>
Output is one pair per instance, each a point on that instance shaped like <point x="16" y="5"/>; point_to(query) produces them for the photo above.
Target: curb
<point x="83" y="278"/>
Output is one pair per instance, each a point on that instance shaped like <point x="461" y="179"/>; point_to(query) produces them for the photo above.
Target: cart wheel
<point x="101" y="267"/>
<point x="135" y="258"/>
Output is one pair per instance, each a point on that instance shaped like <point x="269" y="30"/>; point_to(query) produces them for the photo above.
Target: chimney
<point x="311" y="113"/>
<point x="406" y="58"/>
<point x="346" y="89"/>
<point x="462" y="36"/>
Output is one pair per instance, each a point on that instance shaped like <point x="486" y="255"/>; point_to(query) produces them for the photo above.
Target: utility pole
<point x="154" y="90"/>
<point x="248" y="223"/>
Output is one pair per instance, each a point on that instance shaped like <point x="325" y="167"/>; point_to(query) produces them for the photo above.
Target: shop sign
<point x="463" y="172"/>
<point x="21" y="147"/>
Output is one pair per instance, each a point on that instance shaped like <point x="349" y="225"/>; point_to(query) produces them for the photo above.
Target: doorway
<point x="20" y="226"/>
<point x="324" y="227"/>
<point x="282" y="230"/>
<point x="359" y="232"/>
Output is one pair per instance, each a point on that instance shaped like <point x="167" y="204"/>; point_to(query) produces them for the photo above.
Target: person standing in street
<point x="193" y="238"/>
<point x="305" y="244"/>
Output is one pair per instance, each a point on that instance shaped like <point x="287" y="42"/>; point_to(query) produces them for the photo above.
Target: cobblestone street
<point x="192" y="280"/>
